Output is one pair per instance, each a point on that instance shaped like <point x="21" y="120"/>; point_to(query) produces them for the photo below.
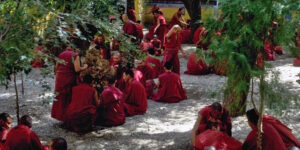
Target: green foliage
<point x="244" y="26"/>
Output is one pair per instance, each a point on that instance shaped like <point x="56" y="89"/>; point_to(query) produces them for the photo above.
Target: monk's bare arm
<point x="170" y="32"/>
<point x="158" y="83"/>
<point x="77" y="66"/>
<point x="97" y="100"/>
<point x="56" y="67"/>
<point x="158" y="24"/>
<point x="182" y="51"/>
<point x="195" y="128"/>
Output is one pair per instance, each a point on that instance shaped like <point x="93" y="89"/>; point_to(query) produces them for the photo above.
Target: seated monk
<point x="269" y="50"/>
<point x="58" y="144"/>
<point x="170" y="89"/>
<point x="81" y="113"/>
<point x="147" y="76"/>
<point x="5" y="123"/>
<point x="196" y="66"/>
<point x="129" y="27"/>
<point x="216" y="138"/>
<point x="274" y="132"/>
<point x="145" y="45"/>
<point x="157" y="45"/>
<point x="111" y="110"/>
<point x="198" y="37"/>
<point x="135" y="96"/>
<point x="214" y="115"/>
<point x="22" y="138"/>
<point x="270" y="137"/>
<point x="154" y="62"/>
<point x="116" y="63"/>
<point x="139" y="31"/>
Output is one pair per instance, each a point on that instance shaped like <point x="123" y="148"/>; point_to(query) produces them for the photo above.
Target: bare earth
<point x="164" y="126"/>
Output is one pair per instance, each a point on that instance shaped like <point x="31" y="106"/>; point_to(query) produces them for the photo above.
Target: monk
<point x="81" y="113"/>
<point x="5" y="124"/>
<point x="275" y="134"/>
<point x="135" y="96"/>
<point x="131" y="14"/>
<point x="270" y="137"/>
<point x="102" y="46"/>
<point x="154" y="62"/>
<point x="269" y="51"/>
<point x="214" y="116"/>
<point x="139" y="31"/>
<point x="22" y="138"/>
<point x="170" y="89"/>
<point x="151" y="29"/>
<point x="147" y="76"/>
<point x="65" y="79"/>
<point x="146" y="44"/>
<point x="198" y="37"/>
<point x="178" y="18"/>
<point x="196" y="66"/>
<point x="111" y="111"/>
<point x="38" y="62"/>
<point x="161" y="26"/>
<point x="173" y="45"/>
<point x="129" y="27"/>
<point x="58" y="144"/>
<point x="118" y="70"/>
<point x="157" y="45"/>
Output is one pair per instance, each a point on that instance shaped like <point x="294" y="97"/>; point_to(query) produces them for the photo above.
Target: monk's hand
<point x="184" y="54"/>
<point x="85" y="66"/>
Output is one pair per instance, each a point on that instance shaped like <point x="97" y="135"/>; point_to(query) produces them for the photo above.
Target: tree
<point x="194" y="9"/>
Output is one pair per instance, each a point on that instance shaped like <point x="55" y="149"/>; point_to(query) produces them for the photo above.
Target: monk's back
<point x="82" y="97"/>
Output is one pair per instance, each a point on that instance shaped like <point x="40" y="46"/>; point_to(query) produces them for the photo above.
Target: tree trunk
<point x="236" y="101"/>
<point x="17" y="97"/>
<point x="22" y="78"/>
<point x="261" y="108"/>
<point x="194" y="9"/>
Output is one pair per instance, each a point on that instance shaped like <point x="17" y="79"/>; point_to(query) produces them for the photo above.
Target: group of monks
<point x="212" y="130"/>
<point x="80" y="106"/>
<point x="22" y="138"/>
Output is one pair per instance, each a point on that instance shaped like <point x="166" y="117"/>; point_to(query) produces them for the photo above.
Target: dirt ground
<point x="164" y="126"/>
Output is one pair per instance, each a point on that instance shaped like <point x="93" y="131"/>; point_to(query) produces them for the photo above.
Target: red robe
<point x="65" y="80"/>
<point x="225" y="125"/>
<point x="171" y="52"/>
<point x="286" y="134"/>
<point x="220" y="140"/>
<point x="145" y="45"/>
<point x="195" y="66"/>
<point x="135" y="99"/>
<point x="38" y="63"/>
<point x="296" y="62"/>
<point x="147" y="74"/>
<point x="185" y="34"/>
<point x="170" y="89"/>
<point x="139" y="32"/>
<point x="3" y="133"/>
<point x="269" y="51"/>
<point x="200" y="30"/>
<point x="132" y="15"/>
<point x="22" y="138"/>
<point x="155" y="64"/>
<point x="129" y="28"/>
<point x="150" y="34"/>
<point x="271" y="140"/>
<point x="162" y="29"/>
<point x="157" y="46"/>
<point x="111" y="111"/>
<point x="175" y="20"/>
<point x="81" y="113"/>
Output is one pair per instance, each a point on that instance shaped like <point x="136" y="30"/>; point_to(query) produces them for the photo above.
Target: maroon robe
<point x="155" y="63"/>
<point x="129" y="28"/>
<point x="185" y="34"/>
<point x="135" y="99"/>
<point x="200" y="30"/>
<point x="195" y="66"/>
<point x="269" y="51"/>
<point x="81" y="113"/>
<point x="139" y="32"/>
<point x="150" y="34"/>
<point x="38" y="62"/>
<point x="3" y="133"/>
<point x="147" y="74"/>
<point x="111" y="111"/>
<point x="65" y="80"/>
<point x="220" y="140"/>
<point x="171" y="52"/>
<point x="175" y="20"/>
<point x="145" y="45"/>
<point x="162" y="30"/>
<point x="170" y="89"/>
<point x="157" y="46"/>
<point x="22" y="138"/>
<point x="285" y="133"/>
<point x="271" y="140"/>
<point x="206" y="112"/>
<point x="131" y="15"/>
